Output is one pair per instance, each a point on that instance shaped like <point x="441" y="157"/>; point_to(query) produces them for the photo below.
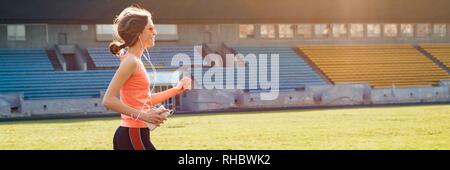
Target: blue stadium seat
<point x="161" y="55"/>
<point x="56" y="84"/>
<point x="294" y="72"/>
<point x="24" y="59"/>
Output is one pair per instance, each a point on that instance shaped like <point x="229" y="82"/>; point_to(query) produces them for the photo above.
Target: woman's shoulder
<point x="128" y="61"/>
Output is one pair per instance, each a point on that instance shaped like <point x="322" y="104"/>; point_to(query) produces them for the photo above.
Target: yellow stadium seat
<point x="380" y="65"/>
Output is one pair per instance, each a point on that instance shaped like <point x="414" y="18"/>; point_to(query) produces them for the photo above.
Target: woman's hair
<point x="127" y="27"/>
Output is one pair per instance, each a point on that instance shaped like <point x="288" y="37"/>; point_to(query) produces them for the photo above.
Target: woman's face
<point x="148" y="35"/>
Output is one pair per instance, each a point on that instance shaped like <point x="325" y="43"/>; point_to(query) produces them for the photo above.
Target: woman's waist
<point x="128" y="121"/>
<point x="133" y="94"/>
<point x="138" y="105"/>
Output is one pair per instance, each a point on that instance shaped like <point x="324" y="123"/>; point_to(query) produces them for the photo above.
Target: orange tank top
<point x="134" y="93"/>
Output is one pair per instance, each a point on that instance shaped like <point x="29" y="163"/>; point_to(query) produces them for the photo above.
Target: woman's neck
<point x="135" y="51"/>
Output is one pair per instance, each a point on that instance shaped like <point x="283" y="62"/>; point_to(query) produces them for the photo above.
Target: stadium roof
<point x="228" y="11"/>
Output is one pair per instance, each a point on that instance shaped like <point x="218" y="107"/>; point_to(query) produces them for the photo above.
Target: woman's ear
<point x="140" y="40"/>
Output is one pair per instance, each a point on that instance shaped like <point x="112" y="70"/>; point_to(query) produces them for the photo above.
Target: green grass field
<point x="400" y="127"/>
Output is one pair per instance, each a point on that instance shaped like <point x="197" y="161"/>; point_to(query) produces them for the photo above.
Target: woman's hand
<point x="184" y="84"/>
<point x="154" y="116"/>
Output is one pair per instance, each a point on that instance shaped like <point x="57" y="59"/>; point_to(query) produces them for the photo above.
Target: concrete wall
<point x="410" y="95"/>
<point x="324" y="95"/>
<point x="14" y="100"/>
<point x="209" y="100"/>
<point x="5" y="108"/>
<point x="285" y="99"/>
<point x="46" y="35"/>
<point x="66" y="106"/>
<point x="445" y="83"/>
<point x="11" y="104"/>
<point x="229" y="33"/>
<point x="342" y="94"/>
<point x="36" y="36"/>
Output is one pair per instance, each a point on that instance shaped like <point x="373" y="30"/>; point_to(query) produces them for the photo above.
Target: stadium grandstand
<point x="378" y="65"/>
<point x="54" y="57"/>
<point x="441" y="52"/>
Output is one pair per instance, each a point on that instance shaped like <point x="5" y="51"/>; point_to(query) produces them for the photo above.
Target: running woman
<point x="134" y="29"/>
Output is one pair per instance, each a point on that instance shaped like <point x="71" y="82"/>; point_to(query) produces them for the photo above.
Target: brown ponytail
<point x="116" y="47"/>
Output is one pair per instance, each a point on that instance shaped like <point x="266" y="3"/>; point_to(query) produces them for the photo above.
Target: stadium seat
<point x="24" y="59"/>
<point x="160" y="56"/>
<point x="294" y="72"/>
<point x="55" y="84"/>
<point x="379" y="65"/>
<point x="439" y="51"/>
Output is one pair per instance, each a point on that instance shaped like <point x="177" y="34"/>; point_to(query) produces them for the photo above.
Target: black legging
<point x="132" y="139"/>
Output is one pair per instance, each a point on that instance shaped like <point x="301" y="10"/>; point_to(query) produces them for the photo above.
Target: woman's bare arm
<point x="183" y="85"/>
<point x="159" y="97"/>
